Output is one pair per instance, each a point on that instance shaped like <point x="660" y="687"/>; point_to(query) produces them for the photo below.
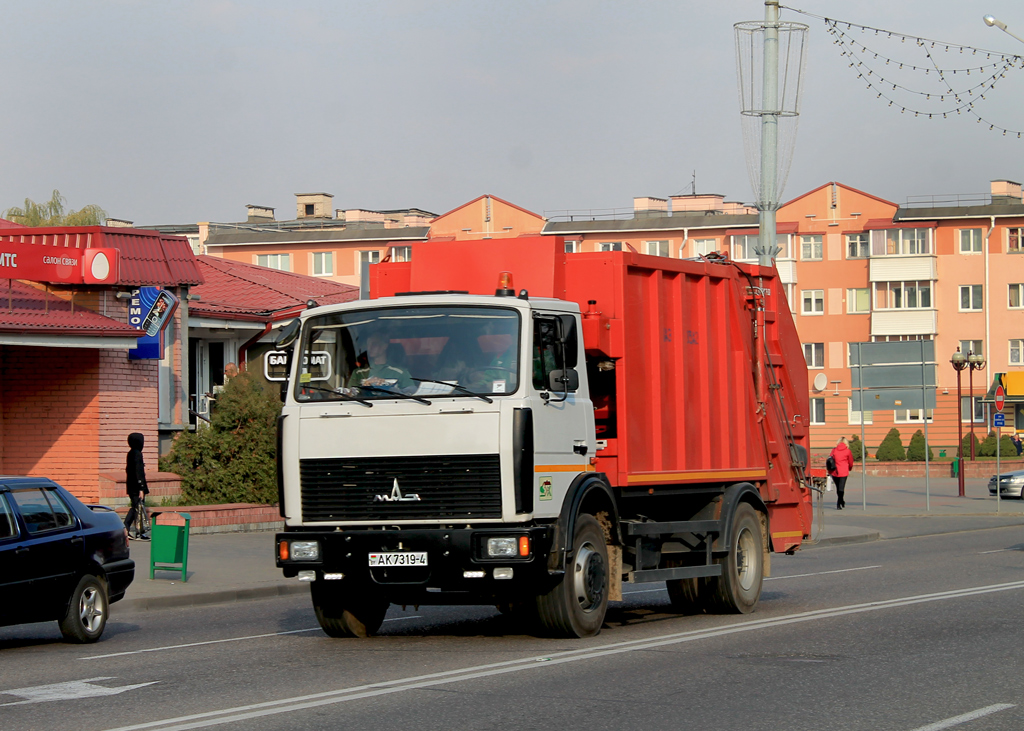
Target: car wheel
<point x="87" y="611"/>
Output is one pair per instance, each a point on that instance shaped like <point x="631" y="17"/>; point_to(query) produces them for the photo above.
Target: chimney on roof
<point x="313" y="205"/>
<point x="645" y="205"/>
<point x="698" y="202"/>
<point x="1005" y="191"/>
<point x="255" y="214"/>
<point x="118" y="223"/>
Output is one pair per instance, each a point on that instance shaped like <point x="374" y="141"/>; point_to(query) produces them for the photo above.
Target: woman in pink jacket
<point x="844" y="463"/>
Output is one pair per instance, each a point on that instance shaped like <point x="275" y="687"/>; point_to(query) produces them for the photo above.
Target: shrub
<point x="988" y="446"/>
<point x="915" y="451"/>
<point x="855" y="447"/>
<point x="966" y="443"/>
<point x="891" y="449"/>
<point x="233" y="460"/>
<point x="1006" y="447"/>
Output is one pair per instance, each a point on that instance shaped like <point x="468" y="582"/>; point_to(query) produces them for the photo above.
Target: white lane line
<point x="820" y="573"/>
<point x="342" y="695"/>
<point x="957" y="720"/>
<point x="644" y="591"/>
<point x="228" y="639"/>
<point x="998" y="550"/>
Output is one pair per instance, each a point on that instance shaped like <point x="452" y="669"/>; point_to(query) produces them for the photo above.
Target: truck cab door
<point x="563" y="418"/>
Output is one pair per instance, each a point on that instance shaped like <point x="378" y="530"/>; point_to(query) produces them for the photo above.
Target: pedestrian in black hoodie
<point x="135" y="478"/>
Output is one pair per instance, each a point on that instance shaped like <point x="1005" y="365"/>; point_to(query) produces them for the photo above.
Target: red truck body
<point x="696" y="370"/>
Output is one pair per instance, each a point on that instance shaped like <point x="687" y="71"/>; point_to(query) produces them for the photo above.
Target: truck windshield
<point x="421" y="351"/>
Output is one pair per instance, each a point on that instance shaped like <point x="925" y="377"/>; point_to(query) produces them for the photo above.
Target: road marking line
<point x="998" y="550"/>
<point x="643" y="591"/>
<point x="69" y="690"/>
<point x="820" y="573"/>
<point x="342" y="695"/>
<point x="399" y="619"/>
<point x="957" y="720"/>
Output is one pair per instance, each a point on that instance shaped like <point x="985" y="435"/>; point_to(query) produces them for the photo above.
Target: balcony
<point x="904" y="322"/>
<point x="787" y="270"/>
<point x="901" y="268"/>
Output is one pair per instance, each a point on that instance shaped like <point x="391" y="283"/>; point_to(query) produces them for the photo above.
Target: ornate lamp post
<point x="976" y="361"/>
<point x="959" y="362"/>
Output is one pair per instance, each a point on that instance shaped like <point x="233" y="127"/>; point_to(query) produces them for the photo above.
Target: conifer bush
<point x="966" y="443"/>
<point x="1006" y="447"/>
<point x="891" y="449"/>
<point x="233" y="460"/>
<point x="915" y="451"/>
<point x="854" y="444"/>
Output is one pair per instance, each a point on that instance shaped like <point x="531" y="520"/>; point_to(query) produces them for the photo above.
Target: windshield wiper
<point x="457" y="387"/>
<point x="396" y="394"/>
<point x="343" y="396"/>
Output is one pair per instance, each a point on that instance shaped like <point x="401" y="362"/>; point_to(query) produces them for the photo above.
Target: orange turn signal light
<point x="282" y="550"/>
<point x="524" y="545"/>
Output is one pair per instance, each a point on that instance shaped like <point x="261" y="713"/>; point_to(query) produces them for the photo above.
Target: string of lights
<point x="883" y="74"/>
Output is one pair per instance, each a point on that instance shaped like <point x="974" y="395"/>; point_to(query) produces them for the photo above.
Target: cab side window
<point x="61" y="513"/>
<point x="35" y="510"/>
<point x="8" y="525"/>
<point x="547" y="355"/>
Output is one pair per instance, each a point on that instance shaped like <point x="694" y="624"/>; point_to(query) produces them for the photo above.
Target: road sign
<point x="999" y="420"/>
<point x="1000" y="398"/>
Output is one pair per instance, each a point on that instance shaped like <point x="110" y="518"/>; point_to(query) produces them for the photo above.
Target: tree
<point x="891" y="449"/>
<point x="234" y="459"/>
<point x="915" y="451"/>
<point x="51" y="213"/>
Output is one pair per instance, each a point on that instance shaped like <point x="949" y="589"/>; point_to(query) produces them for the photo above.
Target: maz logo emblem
<point x="396" y="496"/>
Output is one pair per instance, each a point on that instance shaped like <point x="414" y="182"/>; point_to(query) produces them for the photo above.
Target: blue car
<point x="59" y="559"/>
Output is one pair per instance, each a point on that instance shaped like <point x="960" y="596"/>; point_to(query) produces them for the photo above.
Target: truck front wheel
<point x="738" y="589"/>
<point x="577" y="605"/>
<point x="347" y="610"/>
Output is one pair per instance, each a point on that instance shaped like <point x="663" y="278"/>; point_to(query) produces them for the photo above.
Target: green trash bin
<point x="168" y="546"/>
<point x="956" y="466"/>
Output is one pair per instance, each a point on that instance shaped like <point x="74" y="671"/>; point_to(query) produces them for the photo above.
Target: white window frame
<point x="572" y="246"/>
<point x="784" y="242"/>
<point x="319" y="259"/>
<point x="922" y="289"/>
<point x="609" y="246"/>
<point x="912" y="416"/>
<point x="851" y="301"/>
<point x="901" y="242"/>
<point x="401" y="253"/>
<point x="741" y="248"/>
<point x="970" y="240"/>
<point x="280" y="262"/>
<point x="812" y="247"/>
<point x="814" y="355"/>
<point x="369" y="255"/>
<point x="862" y="242"/>
<point x="816" y="299"/>
<point x="791" y="296"/>
<point x="975" y="295"/>
<point x="1010" y="290"/>
<point x="1014" y="240"/>
<point x="968" y="346"/>
<point x="817" y="410"/>
<point x="701" y="247"/>
<point x="979" y="410"/>
<point x="1016" y="352"/>
<point x="658" y="246"/>
<point x="854" y="417"/>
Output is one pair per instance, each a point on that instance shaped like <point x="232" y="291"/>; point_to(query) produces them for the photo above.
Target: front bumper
<point x="1007" y="489"/>
<point x="450" y="553"/>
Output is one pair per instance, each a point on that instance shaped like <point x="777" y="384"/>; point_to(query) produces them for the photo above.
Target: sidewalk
<point x="231" y="567"/>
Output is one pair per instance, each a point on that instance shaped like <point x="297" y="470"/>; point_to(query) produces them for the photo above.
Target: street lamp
<point x="976" y="361"/>
<point x="990" y="21"/>
<point x="959" y="361"/>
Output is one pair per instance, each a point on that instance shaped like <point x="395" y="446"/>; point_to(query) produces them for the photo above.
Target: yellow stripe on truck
<point x="564" y="468"/>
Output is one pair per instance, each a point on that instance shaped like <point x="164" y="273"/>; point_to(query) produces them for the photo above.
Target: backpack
<point x="830" y="464"/>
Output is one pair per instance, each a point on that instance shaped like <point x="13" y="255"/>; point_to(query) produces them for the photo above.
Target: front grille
<point x="462" y="487"/>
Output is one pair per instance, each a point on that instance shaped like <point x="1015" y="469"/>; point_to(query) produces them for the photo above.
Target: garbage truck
<point x="504" y="423"/>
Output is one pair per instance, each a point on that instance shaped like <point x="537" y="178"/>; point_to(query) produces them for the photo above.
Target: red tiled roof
<point x="234" y="290"/>
<point x="25" y="309"/>
<point x="148" y="258"/>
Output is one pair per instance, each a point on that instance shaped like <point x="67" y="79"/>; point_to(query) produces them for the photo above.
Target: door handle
<point x="77" y="540"/>
<point x="20" y="551"/>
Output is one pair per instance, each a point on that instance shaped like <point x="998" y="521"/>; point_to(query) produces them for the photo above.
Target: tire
<point x="348" y="610"/>
<point x="687" y="595"/>
<point x="87" y="611"/>
<point x="576" y="606"/>
<point x="738" y="589"/>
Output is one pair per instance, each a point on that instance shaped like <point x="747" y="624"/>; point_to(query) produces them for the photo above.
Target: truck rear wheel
<point x="348" y="610"/>
<point x="577" y="605"/>
<point x="738" y="589"/>
<point x="687" y="595"/>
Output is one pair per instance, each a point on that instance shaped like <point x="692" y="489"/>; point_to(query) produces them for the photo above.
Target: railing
<point x="947" y="201"/>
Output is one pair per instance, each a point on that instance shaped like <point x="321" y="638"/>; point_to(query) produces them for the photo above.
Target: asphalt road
<point x="909" y="634"/>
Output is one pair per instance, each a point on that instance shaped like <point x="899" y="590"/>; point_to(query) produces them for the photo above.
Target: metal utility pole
<point x="769" y="201"/>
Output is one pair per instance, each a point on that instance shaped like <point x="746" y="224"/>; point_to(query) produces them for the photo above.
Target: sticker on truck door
<point x="544" y="487"/>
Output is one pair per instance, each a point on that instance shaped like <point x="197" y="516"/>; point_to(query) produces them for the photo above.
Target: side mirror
<point x="564" y="381"/>
<point x="567" y="336"/>
<point x="288" y="335"/>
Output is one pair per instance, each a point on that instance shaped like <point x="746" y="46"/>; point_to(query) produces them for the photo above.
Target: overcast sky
<point x="175" y="112"/>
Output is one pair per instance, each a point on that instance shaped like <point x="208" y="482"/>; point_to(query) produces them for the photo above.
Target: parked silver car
<point x="1011" y="484"/>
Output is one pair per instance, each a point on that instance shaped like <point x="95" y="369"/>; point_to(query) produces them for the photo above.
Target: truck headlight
<point x="502" y="547"/>
<point x="305" y="550"/>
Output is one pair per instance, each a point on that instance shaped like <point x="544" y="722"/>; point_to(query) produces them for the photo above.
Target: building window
<point x="369" y="257"/>
<point x="742" y="247"/>
<point x="854" y="417"/>
<point x="813" y="302"/>
<point x="275" y="261"/>
<point x="702" y="247"/>
<point x="857" y="247"/>
<point x="610" y="246"/>
<point x="1017" y="352"/>
<point x="817" y="411"/>
<point x="1016" y="300"/>
<point x="323" y="263"/>
<point x="858" y="300"/>
<point x="310" y="210"/>
<point x="965" y="409"/>
<point x="571" y="247"/>
<point x="970" y="241"/>
<point x="901" y="242"/>
<point x="656" y="248"/>
<point x="1015" y="240"/>
<point x="790" y="290"/>
<point x="814" y="354"/>
<point x="810" y="248"/>
<point x="401" y="253"/>
<point x="903" y="295"/>
<point x="971" y="298"/>
<point x="912" y="416"/>
<point x="782" y="241"/>
<point x="972" y="346"/>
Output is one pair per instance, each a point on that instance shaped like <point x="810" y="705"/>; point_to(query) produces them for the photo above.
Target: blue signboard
<point x="149" y="309"/>
<point x="999" y="420"/>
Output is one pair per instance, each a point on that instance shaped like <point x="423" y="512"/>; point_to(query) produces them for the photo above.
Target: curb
<point x="196" y="599"/>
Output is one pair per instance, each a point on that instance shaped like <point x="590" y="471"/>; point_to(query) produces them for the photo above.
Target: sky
<point x="181" y="111"/>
